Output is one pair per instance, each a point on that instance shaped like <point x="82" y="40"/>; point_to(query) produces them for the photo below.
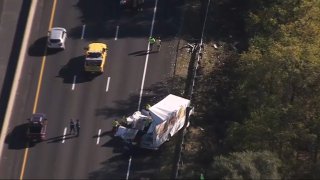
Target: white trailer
<point x="158" y="124"/>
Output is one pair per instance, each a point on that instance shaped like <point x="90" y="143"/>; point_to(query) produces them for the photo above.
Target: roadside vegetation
<point x="257" y="94"/>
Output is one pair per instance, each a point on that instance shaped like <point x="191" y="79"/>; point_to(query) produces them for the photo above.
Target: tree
<point x="279" y="81"/>
<point x="246" y="165"/>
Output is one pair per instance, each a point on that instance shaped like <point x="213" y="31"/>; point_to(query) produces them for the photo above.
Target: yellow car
<point x="95" y="57"/>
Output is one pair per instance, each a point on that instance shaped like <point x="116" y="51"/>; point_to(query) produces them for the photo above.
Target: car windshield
<point x="35" y="128"/>
<point x="94" y="55"/>
<point x="54" y="40"/>
<point x="93" y="63"/>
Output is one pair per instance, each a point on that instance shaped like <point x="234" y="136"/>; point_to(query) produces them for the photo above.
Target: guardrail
<point x="197" y="51"/>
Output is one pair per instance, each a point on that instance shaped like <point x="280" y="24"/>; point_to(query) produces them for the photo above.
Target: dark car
<point x="37" y="127"/>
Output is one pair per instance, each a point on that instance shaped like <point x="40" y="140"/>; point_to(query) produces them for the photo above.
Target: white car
<point x="57" y="38"/>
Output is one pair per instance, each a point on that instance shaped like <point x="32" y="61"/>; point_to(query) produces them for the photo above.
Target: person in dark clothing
<point x="158" y="41"/>
<point x="78" y="127"/>
<point x="140" y="4"/>
<point x="72" y="126"/>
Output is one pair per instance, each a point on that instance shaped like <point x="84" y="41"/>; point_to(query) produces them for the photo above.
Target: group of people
<point x="137" y="5"/>
<point x="74" y="127"/>
<point x="154" y="41"/>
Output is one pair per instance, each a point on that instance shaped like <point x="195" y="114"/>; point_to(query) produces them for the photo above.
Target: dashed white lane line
<point x="64" y="134"/>
<point x="108" y="82"/>
<point x="98" y="139"/>
<point x="83" y="30"/>
<point x="117" y="32"/>
<point x="74" y="82"/>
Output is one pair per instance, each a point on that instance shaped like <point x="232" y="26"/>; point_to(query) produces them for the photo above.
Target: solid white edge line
<point x="117" y="32"/>
<point x="74" y="82"/>
<point x="129" y="166"/>
<point x="108" y="82"/>
<point x="83" y="29"/>
<point x="147" y="56"/>
<point x="98" y="139"/>
<point x="17" y="75"/>
<point x="64" y="134"/>
<point x="144" y="74"/>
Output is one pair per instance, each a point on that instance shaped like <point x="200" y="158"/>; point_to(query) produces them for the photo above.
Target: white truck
<point x="151" y="128"/>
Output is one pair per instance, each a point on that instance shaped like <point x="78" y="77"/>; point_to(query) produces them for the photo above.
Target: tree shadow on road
<point x="144" y="161"/>
<point x="117" y="165"/>
<point x="116" y="143"/>
<point x="103" y="16"/>
<point x="151" y="95"/>
<point x="114" y="167"/>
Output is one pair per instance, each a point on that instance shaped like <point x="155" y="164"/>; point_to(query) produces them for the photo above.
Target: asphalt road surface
<point x="65" y="92"/>
<point x="13" y="15"/>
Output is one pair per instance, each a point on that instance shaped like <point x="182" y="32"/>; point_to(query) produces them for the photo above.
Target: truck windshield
<point x="94" y="55"/>
<point x="93" y="63"/>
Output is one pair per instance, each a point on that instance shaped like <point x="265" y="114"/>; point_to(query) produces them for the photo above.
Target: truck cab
<point x="37" y="127"/>
<point x="95" y="57"/>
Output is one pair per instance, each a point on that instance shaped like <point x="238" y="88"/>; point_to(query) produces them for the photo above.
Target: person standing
<point x="158" y="43"/>
<point x="152" y="40"/>
<point x="140" y="4"/>
<point x="78" y="127"/>
<point x="72" y="126"/>
<point x="115" y="125"/>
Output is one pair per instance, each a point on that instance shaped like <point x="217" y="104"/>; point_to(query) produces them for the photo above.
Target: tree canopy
<point x="246" y="165"/>
<point x="269" y="97"/>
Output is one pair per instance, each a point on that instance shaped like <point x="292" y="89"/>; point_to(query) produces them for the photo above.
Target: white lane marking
<point x="83" y="29"/>
<point x="64" y="134"/>
<point x="144" y="74"/>
<point x="74" y="82"/>
<point x="108" y="82"/>
<point x="98" y="139"/>
<point x="129" y="165"/>
<point x="17" y="75"/>
<point x="117" y="32"/>
<point x="147" y="56"/>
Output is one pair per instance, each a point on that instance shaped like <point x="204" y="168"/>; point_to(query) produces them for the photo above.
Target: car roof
<point x="56" y="32"/>
<point x="96" y="47"/>
<point x="38" y="117"/>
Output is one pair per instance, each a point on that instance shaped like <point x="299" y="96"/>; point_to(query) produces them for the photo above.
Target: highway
<point x="52" y="83"/>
